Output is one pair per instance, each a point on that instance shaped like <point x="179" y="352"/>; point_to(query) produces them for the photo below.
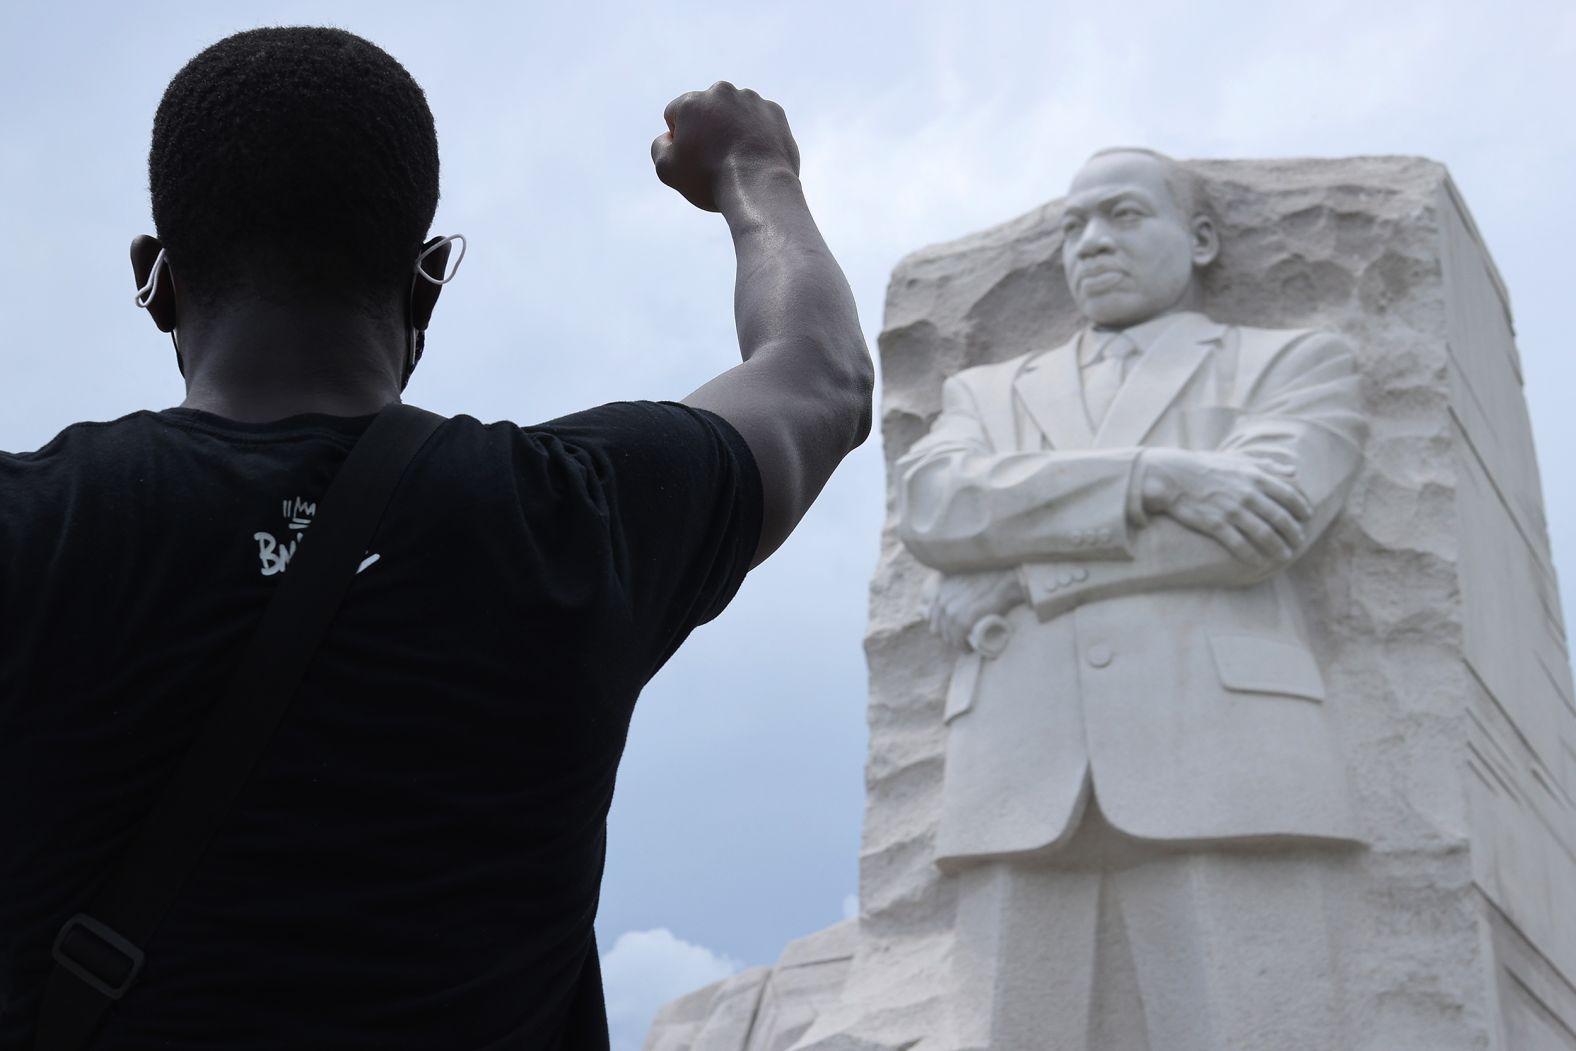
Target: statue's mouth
<point x="1102" y="280"/>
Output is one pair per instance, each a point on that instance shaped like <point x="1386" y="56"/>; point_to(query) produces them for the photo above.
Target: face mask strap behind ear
<point x="455" y="269"/>
<point x="145" y="296"/>
<point x="413" y="339"/>
<point x="146" y="293"/>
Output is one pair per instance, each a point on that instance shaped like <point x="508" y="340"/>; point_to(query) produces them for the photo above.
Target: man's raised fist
<point x="720" y="134"/>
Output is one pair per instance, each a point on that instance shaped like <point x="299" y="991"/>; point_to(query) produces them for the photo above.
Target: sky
<point x="736" y="823"/>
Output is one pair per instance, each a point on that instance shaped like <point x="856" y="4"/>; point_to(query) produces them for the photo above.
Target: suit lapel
<point x="1052" y="392"/>
<point x="1154" y="384"/>
<point x="994" y="399"/>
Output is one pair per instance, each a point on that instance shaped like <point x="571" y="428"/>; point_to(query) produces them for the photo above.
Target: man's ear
<point x="145" y="251"/>
<point x="424" y="293"/>
<point x="1206" y="241"/>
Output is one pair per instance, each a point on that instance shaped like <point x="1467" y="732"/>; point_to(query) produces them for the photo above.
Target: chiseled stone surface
<point x="679" y="1021"/>
<point x="1431" y="603"/>
<point x="807" y="980"/>
<point x="761" y="1009"/>
<point x="718" y="1017"/>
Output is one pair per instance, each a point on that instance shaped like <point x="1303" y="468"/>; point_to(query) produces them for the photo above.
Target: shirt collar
<point x="1143" y="335"/>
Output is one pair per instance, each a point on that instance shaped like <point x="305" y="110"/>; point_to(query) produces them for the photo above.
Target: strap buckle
<point x="104" y="959"/>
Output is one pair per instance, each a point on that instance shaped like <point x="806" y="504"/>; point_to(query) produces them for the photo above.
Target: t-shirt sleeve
<point x="682" y="496"/>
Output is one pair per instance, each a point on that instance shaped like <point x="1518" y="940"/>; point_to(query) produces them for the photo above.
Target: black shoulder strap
<point x="99" y="952"/>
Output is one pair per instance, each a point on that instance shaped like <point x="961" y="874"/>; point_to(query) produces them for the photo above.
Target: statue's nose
<point x="1096" y="238"/>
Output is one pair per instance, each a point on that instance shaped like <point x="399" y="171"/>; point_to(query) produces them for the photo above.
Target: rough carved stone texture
<point x="763" y="1008"/>
<point x="1432" y="600"/>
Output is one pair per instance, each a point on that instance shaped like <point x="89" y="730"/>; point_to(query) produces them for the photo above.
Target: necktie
<point x="1103" y="376"/>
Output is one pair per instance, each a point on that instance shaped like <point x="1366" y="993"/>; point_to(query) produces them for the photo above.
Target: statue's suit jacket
<point x="1149" y="663"/>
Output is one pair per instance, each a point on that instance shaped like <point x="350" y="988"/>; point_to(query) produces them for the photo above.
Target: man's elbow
<point x="864" y="416"/>
<point x="858" y="389"/>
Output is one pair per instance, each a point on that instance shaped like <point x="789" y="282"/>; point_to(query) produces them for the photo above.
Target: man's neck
<point x="261" y="361"/>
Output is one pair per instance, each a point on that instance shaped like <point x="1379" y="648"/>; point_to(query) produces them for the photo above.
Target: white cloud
<point x="644" y="970"/>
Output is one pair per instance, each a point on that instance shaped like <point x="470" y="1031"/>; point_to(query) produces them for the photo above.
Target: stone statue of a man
<point x="1142" y="791"/>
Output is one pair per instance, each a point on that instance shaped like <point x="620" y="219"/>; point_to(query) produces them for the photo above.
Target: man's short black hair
<point x="297" y="161"/>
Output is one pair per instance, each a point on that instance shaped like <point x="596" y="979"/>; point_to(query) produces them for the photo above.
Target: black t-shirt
<point x="416" y="860"/>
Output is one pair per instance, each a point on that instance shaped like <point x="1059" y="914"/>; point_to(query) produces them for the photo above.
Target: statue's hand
<point x="962" y="599"/>
<point x="720" y="134"/>
<point x="1248" y="505"/>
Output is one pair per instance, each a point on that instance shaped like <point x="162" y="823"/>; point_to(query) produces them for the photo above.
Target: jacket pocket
<point x="1256" y="664"/>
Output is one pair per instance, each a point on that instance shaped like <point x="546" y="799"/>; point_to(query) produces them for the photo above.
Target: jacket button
<point x="1100" y="655"/>
<point x="1080" y="573"/>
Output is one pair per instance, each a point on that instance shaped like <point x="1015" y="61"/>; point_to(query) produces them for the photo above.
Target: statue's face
<point x="1128" y="249"/>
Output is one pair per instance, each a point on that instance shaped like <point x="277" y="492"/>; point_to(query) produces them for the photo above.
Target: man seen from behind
<point x="415" y="861"/>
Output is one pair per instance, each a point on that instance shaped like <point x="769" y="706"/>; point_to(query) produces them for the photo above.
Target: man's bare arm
<point x="802" y="396"/>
